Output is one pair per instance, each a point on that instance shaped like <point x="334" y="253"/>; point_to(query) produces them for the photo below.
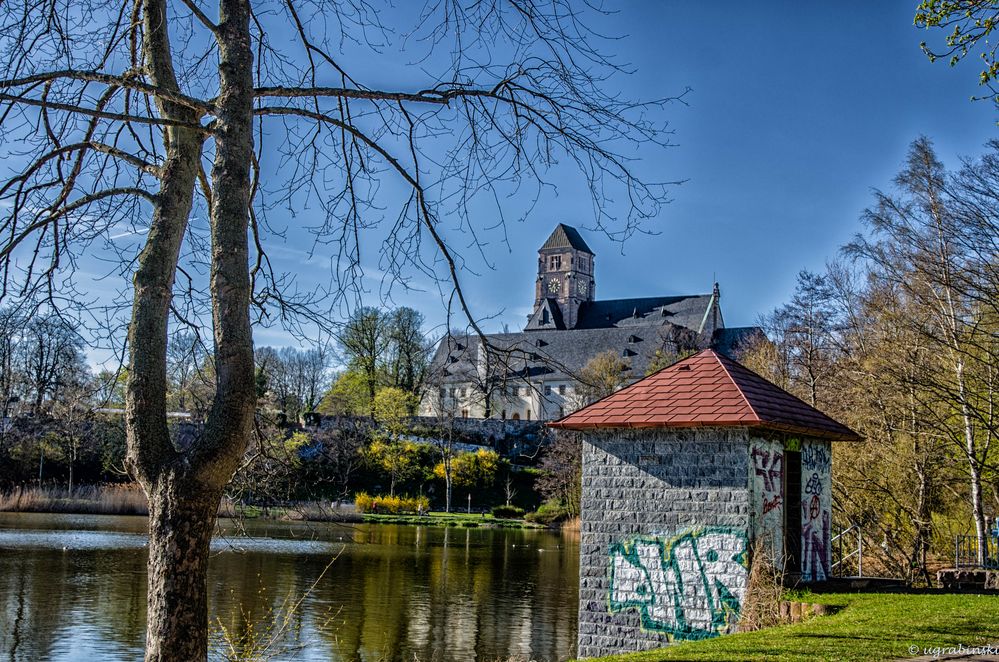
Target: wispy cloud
<point x="129" y="233"/>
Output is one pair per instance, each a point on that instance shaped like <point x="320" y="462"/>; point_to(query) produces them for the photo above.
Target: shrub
<point x="548" y="513"/>
<point x="363" y="502"/>
<point x="508" y="512"/>
<point x="393" y="505"/>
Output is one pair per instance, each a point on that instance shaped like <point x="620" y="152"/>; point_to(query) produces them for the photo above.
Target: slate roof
<point x="706" y="389"/>
<point x="731" y="340"/>
<point x="688" y="311"/>
<point x="554" y="354"/>
<point x="566" y="236"/>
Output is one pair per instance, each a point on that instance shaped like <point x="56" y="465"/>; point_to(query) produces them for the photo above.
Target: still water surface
<point x="72" y="587"/>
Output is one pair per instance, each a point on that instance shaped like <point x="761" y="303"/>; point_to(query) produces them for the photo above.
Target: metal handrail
<point x="859" y="552"/>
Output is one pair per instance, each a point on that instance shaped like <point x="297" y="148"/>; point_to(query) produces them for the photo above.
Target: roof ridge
<point x="738" y="388"/>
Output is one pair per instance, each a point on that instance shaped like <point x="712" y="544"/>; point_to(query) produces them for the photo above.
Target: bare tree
<point x="188" y="127"/>
<point x="927" y="243"/>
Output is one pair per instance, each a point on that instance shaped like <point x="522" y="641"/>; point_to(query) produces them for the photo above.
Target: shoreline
<point x="128" y="500"/>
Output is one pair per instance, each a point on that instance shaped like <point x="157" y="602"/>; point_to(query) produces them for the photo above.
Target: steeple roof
<point x="706" y="389"/>
<point x="566" y="236"/>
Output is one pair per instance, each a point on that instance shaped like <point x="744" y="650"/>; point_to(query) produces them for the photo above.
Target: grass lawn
<point x="870" y="626"/>
<point x="450" y="519"/>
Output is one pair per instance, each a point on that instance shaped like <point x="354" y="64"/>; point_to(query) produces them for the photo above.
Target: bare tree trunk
<point x="184" y="484"/>
<point x="447" y="485"/>
<point x="182" y="517"/>
<point x="975" y="469"/>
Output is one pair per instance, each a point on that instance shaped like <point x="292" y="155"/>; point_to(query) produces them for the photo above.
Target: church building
<point x="535" y="374"/>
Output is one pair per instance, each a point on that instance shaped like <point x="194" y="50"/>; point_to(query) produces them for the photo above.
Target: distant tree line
<point x="63" y="424"/>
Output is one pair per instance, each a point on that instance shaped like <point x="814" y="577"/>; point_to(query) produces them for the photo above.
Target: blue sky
<point x="797" y="110"/>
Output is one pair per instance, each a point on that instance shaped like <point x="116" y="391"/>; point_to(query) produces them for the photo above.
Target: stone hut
<point x="685" y="473"/>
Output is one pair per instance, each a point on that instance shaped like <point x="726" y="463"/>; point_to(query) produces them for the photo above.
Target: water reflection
<point x="73" y="588"/>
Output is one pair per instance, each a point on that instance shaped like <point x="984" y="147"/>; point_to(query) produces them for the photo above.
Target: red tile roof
<point x="705" y="389"/>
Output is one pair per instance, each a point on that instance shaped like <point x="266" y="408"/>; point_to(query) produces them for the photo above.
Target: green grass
<point x="870" y="626"/>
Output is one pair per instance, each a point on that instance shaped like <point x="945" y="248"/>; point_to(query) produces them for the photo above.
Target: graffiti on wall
<point x="816" y="457"/>
<point x="816" y="467"/>
<point x="688" y="587"/>
<point x="768" y="465"/>
<point x="767" y="477"/>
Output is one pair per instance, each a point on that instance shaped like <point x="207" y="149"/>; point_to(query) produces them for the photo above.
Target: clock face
<point x="582" y="286"/>
<point x="554" y="286"/>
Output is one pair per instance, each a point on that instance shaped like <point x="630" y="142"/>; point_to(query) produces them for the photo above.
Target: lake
<point x="73" y="587"/>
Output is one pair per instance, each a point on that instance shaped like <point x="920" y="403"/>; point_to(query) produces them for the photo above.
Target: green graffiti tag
<point x="688" y="587"/>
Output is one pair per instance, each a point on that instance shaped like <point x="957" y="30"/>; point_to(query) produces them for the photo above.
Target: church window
<point x="561" y="389"/>
<point x="548" y="389"/>
<point x="516" y="416"/>
<point x="464" y="413"/>
<point x="453" y="391"/>
<point x="443" y="393"/>
<point x="503" y="414"/>
<point x="555" y="262"/>
<point x="544" y="317"/>
<point x="528" y="414"/>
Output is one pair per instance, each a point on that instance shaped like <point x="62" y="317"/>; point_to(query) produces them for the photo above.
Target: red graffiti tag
<point x="771" y="467"/>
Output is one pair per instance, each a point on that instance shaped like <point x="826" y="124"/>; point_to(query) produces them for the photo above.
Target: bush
<point x="394" y="505"/>
<point x="548" y="513"/>
<point x="363" y="502"/>
<point x="508" y="512"/>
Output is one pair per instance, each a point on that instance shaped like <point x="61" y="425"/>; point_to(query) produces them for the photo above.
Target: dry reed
<point x="111" y="499"/>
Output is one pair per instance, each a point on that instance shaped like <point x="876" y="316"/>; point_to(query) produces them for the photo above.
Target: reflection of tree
<point x="397" y="593"/>
<point x="47" y="597"/>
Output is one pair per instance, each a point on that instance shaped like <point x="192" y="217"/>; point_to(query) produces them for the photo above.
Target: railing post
<point x="860" y="552"/>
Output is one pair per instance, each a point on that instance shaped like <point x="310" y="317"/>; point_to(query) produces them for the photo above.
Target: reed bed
<point x="111" y="499"/>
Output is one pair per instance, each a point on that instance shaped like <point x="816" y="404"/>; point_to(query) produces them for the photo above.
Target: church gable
<point x="546" y="317"/>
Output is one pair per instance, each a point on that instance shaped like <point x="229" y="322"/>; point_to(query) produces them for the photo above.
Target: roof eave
<point x="828" y="435"/>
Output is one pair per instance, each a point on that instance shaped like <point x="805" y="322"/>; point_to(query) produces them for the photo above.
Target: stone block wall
<point x="664" y="536"/>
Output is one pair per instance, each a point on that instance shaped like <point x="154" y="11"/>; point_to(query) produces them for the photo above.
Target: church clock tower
<point x="565" y="280"/>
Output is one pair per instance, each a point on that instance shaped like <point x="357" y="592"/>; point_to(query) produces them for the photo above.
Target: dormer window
<point x="634" y="339"/>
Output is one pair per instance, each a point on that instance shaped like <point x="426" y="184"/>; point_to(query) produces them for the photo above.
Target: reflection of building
<point x="535" y="373"/>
